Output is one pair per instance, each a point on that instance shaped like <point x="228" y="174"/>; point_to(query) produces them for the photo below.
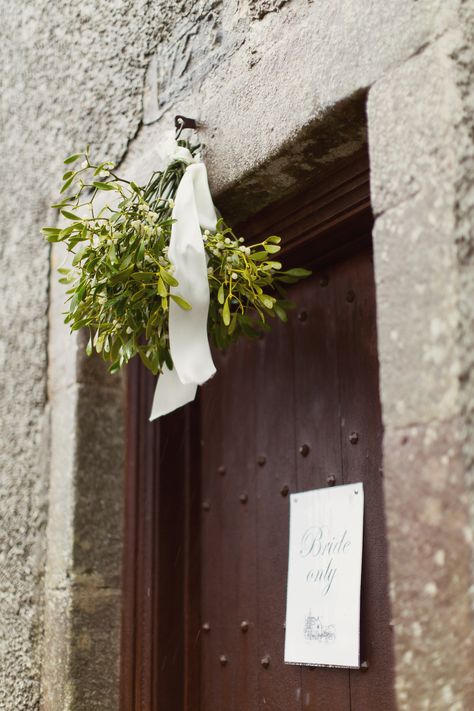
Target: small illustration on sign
<point x="315" y="631"/>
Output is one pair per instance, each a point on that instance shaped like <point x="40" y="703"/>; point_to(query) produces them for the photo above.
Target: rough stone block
<point x="80" y="674"/>
<point x="56" y="689"/>
<point x="417" y="317"/>
<point x="430" y="552"/>
<point x="412" y="115"/>
<point x="98" y="479"/>
<point x="95" y="630"/>
<point x="60" y="531"/>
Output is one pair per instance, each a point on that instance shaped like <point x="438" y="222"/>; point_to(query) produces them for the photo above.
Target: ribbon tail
<point x="171" y="393"/>
<point x="189" y="344"/>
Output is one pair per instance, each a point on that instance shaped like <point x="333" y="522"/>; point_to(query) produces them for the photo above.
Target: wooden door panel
<point x="207" y="487"/>
<point x="210" y="580"/>
<point x="318" y="427"/>
<point x="279" y="686"/>
<point x="233" y="560"/>
<point x="297" y="408"/>
<point x="238" y="497"/>
<point x="361" y="438"/>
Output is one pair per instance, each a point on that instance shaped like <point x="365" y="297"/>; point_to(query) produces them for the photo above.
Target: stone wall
<point x="279" y="89"/>
<point x="421" y="239"/>
<point x="71" y="73"/>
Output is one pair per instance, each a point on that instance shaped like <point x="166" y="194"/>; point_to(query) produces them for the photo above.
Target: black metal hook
<point x="182" y="122"/>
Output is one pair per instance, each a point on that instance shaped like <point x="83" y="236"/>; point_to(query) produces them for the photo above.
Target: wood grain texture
<point x="207" y="488"/>
<point x="279" y="685"/>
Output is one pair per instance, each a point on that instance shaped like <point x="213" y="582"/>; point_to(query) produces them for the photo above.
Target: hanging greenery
<point x="120" y="279"/>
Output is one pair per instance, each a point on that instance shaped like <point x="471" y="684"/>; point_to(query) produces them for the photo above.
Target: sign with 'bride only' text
<point x="324" y="574"/>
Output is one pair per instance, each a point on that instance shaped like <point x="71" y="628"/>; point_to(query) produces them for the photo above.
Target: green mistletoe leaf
<point x="298" y="273"/>
<point x="226" y="313"/>
<point x="69" y="215"/>
<point x="73" y="158"/>
<point x="104" y="186"/>
<point x="220" y="294"/>
<point x="181" y="302"/>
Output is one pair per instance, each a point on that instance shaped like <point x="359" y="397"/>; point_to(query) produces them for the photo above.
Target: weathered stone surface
<point x="56" y="694"/>
<point x="71" y="73"/>
<point x="464" y="234"/>
<point x="197" y="41"/>
<point x="60" y="530"/>
<point x="423" y="264"/>
<point x="95" y="618"/>
<point x="430" y="551"/>
<point x="259" y="8"/>
<point x="295" y="68"/>
<point x="98" y="513"/>
<point x="412" y="136"/>
<point x="85" y="521"/>
<point x="82" y="628"/>
<point x="416" y="312"/>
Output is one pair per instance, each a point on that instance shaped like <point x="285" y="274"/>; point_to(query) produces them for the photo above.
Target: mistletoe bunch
<point x="120" y="278"/>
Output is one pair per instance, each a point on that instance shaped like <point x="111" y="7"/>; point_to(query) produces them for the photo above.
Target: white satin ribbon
<point x="189" y="345"/>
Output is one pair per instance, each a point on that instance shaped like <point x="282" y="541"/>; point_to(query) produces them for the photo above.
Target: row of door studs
<point x="284" y="491"/>
<point x="244" y="626"/>
<point x="303" y="449"/>
<point x="265" y="661"/>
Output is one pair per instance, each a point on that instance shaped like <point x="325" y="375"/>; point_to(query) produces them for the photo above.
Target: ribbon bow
<point x="189" y="346"/>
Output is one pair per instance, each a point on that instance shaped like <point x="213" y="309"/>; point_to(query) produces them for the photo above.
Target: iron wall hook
<point x="182" y="122"/>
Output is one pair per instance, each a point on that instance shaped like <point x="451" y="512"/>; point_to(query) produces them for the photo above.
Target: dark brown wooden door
<point x="208" y="509"/>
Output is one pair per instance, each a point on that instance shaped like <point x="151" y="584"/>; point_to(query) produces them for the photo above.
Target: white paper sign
<point x="324" y="574"/>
